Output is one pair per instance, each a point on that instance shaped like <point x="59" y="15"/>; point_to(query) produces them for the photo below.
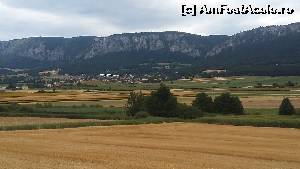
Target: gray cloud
<point x="23" y="18"/>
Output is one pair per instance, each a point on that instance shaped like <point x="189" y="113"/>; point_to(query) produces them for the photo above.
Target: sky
<point x="70" y="18"/>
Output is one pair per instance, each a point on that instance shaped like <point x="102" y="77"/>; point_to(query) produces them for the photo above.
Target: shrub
<point x="3" y="109"/>
<point x="38" y="105"/>
<point x="286" y="107"/>
<point x="141" y="114"/>
<point x="48" y="105"/>
<point x="42" y="91"/>
<point x="290" y="84"/>
<point x="228" y="104"/>
<point x="83" y="105"/>
<point x="26" y="109"/>
<point x="11" y="86"/>
<point x="97" y="106"/>
<point x="203" y="102"/>
<point x="14" y="106"/>
<point x="135" y="103"/>
<point x="188" y="112"/>
<point x="162" y="103"/>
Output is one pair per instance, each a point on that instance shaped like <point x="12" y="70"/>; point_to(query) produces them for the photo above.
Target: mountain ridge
<point x="270" y="46"/>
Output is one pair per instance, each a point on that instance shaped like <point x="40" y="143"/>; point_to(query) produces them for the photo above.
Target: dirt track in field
<point x="167" y="146"/>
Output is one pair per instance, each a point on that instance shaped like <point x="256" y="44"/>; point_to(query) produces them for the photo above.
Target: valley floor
<point x="152" y="146"/>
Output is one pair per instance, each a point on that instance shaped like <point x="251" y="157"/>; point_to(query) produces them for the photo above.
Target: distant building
<point x="25" y="87"/>
<point x="2" y="89"/>
<point x="215" y="71"/>
<point x="49" y="85"/>
<point x="49" y="72"/>
<point x="267" y="85"/>
<point x="248" y="87"/>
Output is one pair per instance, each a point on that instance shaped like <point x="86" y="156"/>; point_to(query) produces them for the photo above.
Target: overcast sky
<point x="68" y="18"/>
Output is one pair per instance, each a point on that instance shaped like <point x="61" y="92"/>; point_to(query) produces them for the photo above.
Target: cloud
<point x="24" y="18"/>
<point x="24" y="22"/>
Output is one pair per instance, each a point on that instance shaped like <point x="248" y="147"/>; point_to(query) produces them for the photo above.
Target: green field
<point x="149" y="120"/>
<point x="203" y="83"/>
<point x="72" y="112"/>
<point x="254" y="120"/>
<point x="253" y="117"/>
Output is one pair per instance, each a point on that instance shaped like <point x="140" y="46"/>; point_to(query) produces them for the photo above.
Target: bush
<point x="13" y="106"/>
<point x="290" y="84"/>
<point x="11" y="86"/>
<point x="162" y="103"/>
<point x="228" y="104"/>
<point x="83" y="105"/>
<point x="38" y="105"/>
<point x="26" y="109"/>
<point x="251" y="121"/>
<point x="203" y="102"/>
<point x="96" y="106"/>
<point x="141" y="114"/>
<point x="188" y="112"/>
<point x="48" y="105"/>
<point x="286" y="107"/>
<point x="135" y="103"/>
<point x="3" y="109"/>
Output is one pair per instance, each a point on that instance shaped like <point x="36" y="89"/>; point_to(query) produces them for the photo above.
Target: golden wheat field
<point x="152" y="146"/>
<point x="118" y="98"/>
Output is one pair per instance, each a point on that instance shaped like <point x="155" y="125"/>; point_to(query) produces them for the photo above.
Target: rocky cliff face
<point x="45" y="49"/>
<point x="172" y="41"/>
<point x="57" y="49"/>
<point x="274" y="47"/>
<point x="258" y="35"/>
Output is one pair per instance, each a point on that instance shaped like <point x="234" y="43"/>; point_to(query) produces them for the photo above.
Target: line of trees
<point x="164" y="104"/>
<point x="224" y="104"/>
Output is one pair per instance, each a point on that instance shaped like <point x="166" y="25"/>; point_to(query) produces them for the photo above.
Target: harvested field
<point x="15" y="121"/>
<point x="267" y="101"/>
<point x="163" y="146"/>
<point x="250" y="99"/>
<point x="28" y="97"/>
<point x="255" y="101"/>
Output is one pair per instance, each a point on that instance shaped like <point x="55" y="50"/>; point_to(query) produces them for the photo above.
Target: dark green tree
<point x="203" y="102"/>
<point x="2" y="109"/>
<point x="135" y="103"/>
<point x="259" y="85"/>
<point x="286" y="107"/>
<point x="11" y="86"/>
<point x="228" y="104"/>
<point x="188" y="112"/>
<point x="162" y="102"/>
<point x="290" y="84"/>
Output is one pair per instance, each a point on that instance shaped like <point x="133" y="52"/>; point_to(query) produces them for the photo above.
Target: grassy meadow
<point x="198" y="83"/>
